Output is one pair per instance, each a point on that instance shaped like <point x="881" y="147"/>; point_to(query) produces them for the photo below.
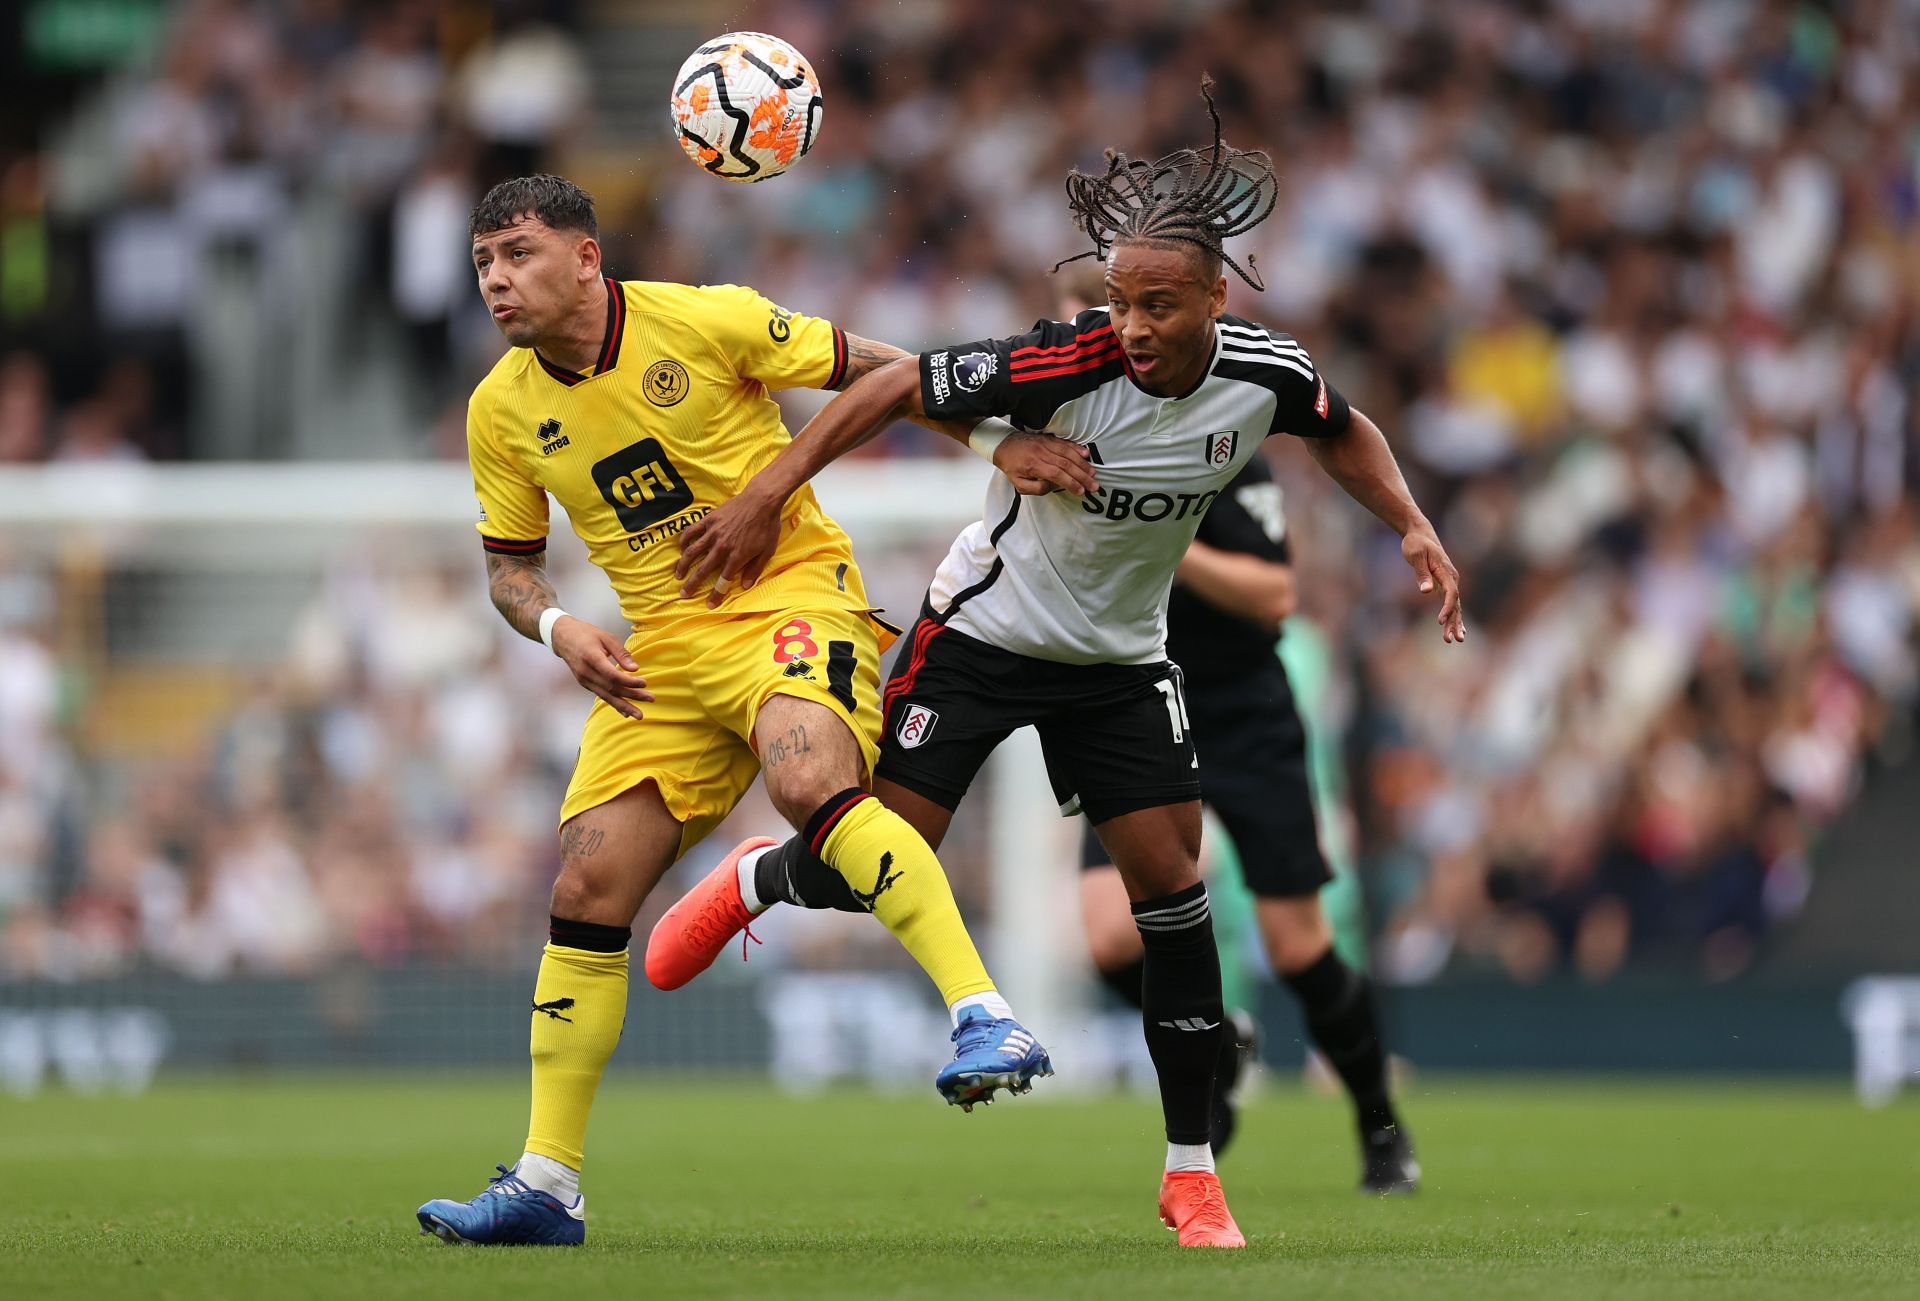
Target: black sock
<point x="1124" y="980"/>
<point x="798" y="875"/>
<point x="590" y="936"/>
<point x="1181" y="1007"/>
<point x="1337" y="1002"/>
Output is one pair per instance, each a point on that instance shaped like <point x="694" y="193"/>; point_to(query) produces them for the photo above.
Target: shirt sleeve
<point x="1026" y="378"/>
<point x="1305" y="405"/>
<point x="763" y="341"/>
<point x="513" y="509"/>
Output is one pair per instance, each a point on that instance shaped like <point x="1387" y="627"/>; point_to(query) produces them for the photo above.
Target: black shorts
<point x="1114" y="735"/>
<point x="1253" y="774"/>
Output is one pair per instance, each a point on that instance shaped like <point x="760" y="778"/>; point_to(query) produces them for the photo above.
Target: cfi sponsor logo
<point x="915" y="725"/>
<point x="972" y="369"/>
<point x="642" y="485"/>
<point x="1221" y="447"/>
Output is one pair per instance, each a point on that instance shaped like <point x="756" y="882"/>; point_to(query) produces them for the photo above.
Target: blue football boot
<point x="507" y="1213"/>
<point x="990" y="1053"/>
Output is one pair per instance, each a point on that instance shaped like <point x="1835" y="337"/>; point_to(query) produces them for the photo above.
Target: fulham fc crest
<point x="1221" y="447"/>
<point x="915" y="724"/>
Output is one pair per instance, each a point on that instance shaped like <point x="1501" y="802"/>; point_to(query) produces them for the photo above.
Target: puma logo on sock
<point x="555" y="1008"/>
<point x="881" y="883"/>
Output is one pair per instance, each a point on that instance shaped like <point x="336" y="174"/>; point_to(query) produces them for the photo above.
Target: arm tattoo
<point x="864" y="356"/>
<point x="520" y="591"/>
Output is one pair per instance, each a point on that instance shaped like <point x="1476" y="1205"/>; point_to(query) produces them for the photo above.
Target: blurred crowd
<point x="1632" y="285"/>
<point x="267" y="179"/>
<point x="387" y="793"/>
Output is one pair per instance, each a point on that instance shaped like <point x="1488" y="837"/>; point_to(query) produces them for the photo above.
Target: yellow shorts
<point x="709" y="674"/>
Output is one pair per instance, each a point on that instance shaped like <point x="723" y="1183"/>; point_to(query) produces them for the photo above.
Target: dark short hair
<point x="553" y="200"/>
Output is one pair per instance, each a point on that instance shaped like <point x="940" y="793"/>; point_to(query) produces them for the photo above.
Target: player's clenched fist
<point x="600" y="663"/>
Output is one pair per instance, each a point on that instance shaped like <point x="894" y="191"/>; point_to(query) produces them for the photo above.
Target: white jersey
<point x="1084" y="580"/>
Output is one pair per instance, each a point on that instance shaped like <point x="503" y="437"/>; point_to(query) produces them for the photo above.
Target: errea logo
<point x="551" y="439"/>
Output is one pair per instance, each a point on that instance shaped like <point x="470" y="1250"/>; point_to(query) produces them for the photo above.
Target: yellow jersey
<point x="674" y="418"/>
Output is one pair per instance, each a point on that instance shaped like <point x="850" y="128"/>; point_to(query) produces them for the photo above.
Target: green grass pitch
<point x="284" y="1190"/>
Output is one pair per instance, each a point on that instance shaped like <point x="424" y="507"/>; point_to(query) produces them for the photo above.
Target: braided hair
<point x="1193" y="196"/>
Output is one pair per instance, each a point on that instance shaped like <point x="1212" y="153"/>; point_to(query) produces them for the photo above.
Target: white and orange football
<point x="746" y="106"/>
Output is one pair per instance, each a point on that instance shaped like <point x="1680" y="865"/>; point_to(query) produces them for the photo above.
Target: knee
<point x="1157" y="880"/>
<point x="1296" y="933"/>
<point x="799" y="792"/>
<point x="583" y="893"/>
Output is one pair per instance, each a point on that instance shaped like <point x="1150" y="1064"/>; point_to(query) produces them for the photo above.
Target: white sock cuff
<point x="745" y="867"/>
<point x="995" y="1006"/>
<point x="549" y="1176"/>
<point x="1185" y="1157"/>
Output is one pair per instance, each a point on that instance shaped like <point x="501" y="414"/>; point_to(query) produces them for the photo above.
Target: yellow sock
<point x="893" y="871"/>
<point x="579" y="1007"/>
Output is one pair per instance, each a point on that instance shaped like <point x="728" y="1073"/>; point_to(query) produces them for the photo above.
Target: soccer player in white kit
<point x="1051" y="610"/>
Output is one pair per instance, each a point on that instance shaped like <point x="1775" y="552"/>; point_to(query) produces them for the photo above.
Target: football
<point x="746" y="106"/>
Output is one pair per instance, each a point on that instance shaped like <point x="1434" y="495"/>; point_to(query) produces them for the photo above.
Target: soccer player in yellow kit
<point x="640" y="406"/>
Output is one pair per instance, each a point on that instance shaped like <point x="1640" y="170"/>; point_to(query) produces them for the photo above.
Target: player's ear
<point x="589" y="255"/>
<point x="1218" y="304"/>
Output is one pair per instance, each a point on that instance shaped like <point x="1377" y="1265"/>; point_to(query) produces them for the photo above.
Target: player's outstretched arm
<point x="1359" y="460"/>
<point x="522" y="593"/>
<point x="864" y="356"/>
<point x="738" y="537"/>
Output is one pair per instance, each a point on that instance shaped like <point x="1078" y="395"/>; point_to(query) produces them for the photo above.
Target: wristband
<point x="988" y="435"/>
<point x="548" y="617"/>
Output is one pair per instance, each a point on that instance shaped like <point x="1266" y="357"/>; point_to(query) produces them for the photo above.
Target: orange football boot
<point x="1192" y="1204"/>
<point x="685" y="942"/>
